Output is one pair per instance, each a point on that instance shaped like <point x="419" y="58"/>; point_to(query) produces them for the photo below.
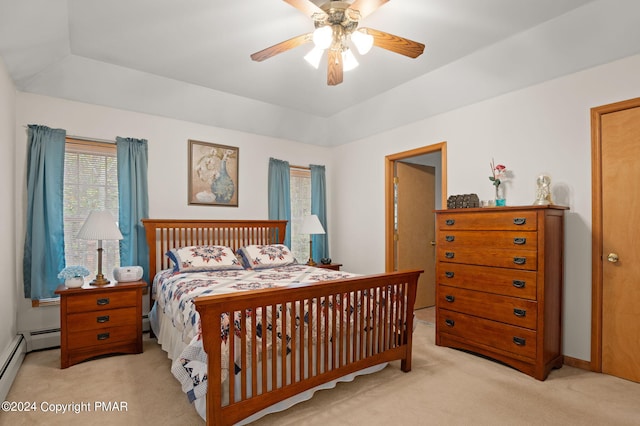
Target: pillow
<point x="266" y="256"/>
<point x="203" y="258"/>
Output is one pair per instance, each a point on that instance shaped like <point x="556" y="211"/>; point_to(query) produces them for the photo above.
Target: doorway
<point x="615" y="148"/>
<point x="417" y="165"/>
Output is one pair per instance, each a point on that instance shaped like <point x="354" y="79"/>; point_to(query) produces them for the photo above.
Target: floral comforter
<point x="175" y="292"/>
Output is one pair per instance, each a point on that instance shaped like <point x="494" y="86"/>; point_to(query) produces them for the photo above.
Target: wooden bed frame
<point x="385" y="334"/>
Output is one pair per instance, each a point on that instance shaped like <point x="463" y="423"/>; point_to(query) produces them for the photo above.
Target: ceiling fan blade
<point x="367" y="7"/>
<point x="305" y="6"/>
<point x="281" y="47"/>
<point x="334" y="70"/>
<point x="396" y="44"/>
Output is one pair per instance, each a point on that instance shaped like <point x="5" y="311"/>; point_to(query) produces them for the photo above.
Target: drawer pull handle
<point x="103" y="301"/>
<point x="449" y="274"/>
<point x="519" y="220"/>
<point x="519" y="260"/>
<point x="103" y="336"/>
<point x="102" y="319"/>
<point x="520" y="341"/>
<point x="518" y="283"/>
<point x="449" y="298"/>
<point x="450" y="238"/>
<point x="520" y="241"/>
<point x="449" y="255"/>
<point x="450" y="222"/>
<point x="520" y="312"/>
<point x="449" y="322"/>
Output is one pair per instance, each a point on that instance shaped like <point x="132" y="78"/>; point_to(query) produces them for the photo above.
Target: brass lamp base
<point x="311" y="262"/>
<point x="100" y="280"/>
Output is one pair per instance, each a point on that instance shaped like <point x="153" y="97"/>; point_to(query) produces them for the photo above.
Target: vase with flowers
<point x="73" y="276"/>
<point x="498" y="173"/>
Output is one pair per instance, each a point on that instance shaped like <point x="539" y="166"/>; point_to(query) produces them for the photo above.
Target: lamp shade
<point x="311" y="225"/>
<point x="99" y="225"/>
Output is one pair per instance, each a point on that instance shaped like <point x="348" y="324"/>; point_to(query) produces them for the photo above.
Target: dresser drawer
<point x="103" y="300"/>
<point x="520" y="240"/>
<point x="489" y="334"/>
<point x="509" y="282"/>
<point x="509" y="310"/>
<point x="101" y="319"/>
<point x="488" y="221"/>
<point x="101" y="337"/>
<point x="516" y="259"/>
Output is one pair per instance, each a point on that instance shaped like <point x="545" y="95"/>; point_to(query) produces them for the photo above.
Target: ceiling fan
<point x="336" y="24"/>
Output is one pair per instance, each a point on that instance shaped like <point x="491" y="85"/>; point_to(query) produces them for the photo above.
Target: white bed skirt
<point x="171" y="342"/>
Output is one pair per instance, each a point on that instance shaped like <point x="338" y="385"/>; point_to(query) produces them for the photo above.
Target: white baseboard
<point x="11" y="361"/>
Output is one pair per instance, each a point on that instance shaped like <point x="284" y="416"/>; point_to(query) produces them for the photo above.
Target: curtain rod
<point x="84" y="138"/>
<point x="299" y="167"/>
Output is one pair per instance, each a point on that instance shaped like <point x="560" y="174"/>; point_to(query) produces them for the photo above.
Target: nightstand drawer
<point x="101" y="337"/>
<point x="102" y="300"/>
<point x="101" y="319"/>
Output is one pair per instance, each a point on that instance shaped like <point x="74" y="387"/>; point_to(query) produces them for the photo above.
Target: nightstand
<point x="334" y="266"/>
<point x="99" y="321"/>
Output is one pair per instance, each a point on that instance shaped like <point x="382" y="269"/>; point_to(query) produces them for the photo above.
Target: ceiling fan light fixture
<point x="349" y="60"/>
<point x="322" y="37"/>
<point x="362" y="41"/>
<point x="314" y="56"/>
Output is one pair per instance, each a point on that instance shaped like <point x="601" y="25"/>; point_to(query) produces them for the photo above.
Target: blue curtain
<point x="279" y="193"/>
<point x="133" y="197"/>
<point x="44" y="240"/>
<point x="319" y="208"/>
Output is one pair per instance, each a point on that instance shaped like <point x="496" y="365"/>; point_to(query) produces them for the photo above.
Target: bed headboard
<point x="165" y="234"/>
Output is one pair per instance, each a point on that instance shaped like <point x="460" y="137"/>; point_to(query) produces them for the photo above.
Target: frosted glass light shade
<point x="100" y="225"/>
<point x="349" y="61"/>
<point x="311" y="225"/>
<point x="314" y="56"/>
<point x="322" y="37"/>
<point x="362" y="41"/>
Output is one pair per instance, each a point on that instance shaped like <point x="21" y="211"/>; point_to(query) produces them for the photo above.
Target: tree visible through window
<point x="300" y="187"/>
<point x="90" y="183"/>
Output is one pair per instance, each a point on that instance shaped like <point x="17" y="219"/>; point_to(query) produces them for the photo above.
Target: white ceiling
<point x="189" y="59"/>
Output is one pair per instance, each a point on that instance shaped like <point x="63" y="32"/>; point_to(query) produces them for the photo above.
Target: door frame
<point x="389" y="165"/>
<point x="597" y="237"/>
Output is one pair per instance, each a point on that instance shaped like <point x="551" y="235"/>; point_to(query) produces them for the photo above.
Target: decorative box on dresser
<point x="499" y="278"/>
<point x="100" y="320"/>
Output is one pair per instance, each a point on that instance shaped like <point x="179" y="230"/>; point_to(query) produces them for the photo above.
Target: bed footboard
<point x="294" y="338"/>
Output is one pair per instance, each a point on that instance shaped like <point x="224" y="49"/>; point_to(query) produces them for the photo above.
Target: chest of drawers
<point x="100" y="320"/>
<point x="499" y="284"/>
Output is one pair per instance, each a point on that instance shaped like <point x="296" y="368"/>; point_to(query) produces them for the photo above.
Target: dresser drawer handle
<point x="519" y="220"/>
<point x="103" y="336"/>
<point x="450" y="222"/>
<point x="449" y="298"/>
<point x="450" y="238"/>
<point x="520" y="341"/>
<point x="449" y="322"/>
<point x="449" y="255"/>
<point x="519" y="260"/>
<point x="449" y="274"/>
<point x="520" y="241"/>
<point x="518" y="284"/>
<point x="102" y="319"/>
<point x="103" y="301"/>
<point x="520" y="312"/>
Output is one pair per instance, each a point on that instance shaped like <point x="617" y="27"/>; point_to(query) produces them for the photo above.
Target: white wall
<point x="8" y="260"/>
<point x="543" y="128"/>
<point x="168" y="142"/>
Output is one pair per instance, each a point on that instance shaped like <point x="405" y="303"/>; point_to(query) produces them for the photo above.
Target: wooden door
<point x="416" y="226"/>
<point x="620" y="182"/>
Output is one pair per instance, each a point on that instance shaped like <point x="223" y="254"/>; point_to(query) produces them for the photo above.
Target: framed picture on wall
<point x="213" y="174"/>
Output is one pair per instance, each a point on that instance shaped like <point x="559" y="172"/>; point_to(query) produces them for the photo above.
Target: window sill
<point x="38" y="303"/>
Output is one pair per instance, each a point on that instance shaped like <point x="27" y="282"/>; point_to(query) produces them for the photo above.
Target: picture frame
<point x="213" y="174"/>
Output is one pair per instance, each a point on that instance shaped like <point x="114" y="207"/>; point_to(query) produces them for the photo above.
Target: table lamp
<point x="100" y="225"/>
<point x="311" y="225"/>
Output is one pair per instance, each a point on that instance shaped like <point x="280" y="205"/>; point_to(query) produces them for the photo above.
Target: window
<point x="90" y="183"/>
<point x="300" y="186"/>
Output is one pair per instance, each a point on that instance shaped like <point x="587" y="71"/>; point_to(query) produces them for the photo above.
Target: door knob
<point x="613" y="257"/>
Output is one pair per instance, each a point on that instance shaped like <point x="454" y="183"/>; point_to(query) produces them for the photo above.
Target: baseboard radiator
<point x="11" y="361"/>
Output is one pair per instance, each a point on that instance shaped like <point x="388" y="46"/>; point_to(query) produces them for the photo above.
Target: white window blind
<point x="90" y="183"/>
<point x="300" y="188"/>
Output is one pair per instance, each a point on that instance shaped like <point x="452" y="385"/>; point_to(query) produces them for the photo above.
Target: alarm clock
<point x="127" y="273"/>
<point x="325" y="260"/>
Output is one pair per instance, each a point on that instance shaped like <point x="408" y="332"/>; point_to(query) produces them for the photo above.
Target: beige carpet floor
<point x="445" y="387"/>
